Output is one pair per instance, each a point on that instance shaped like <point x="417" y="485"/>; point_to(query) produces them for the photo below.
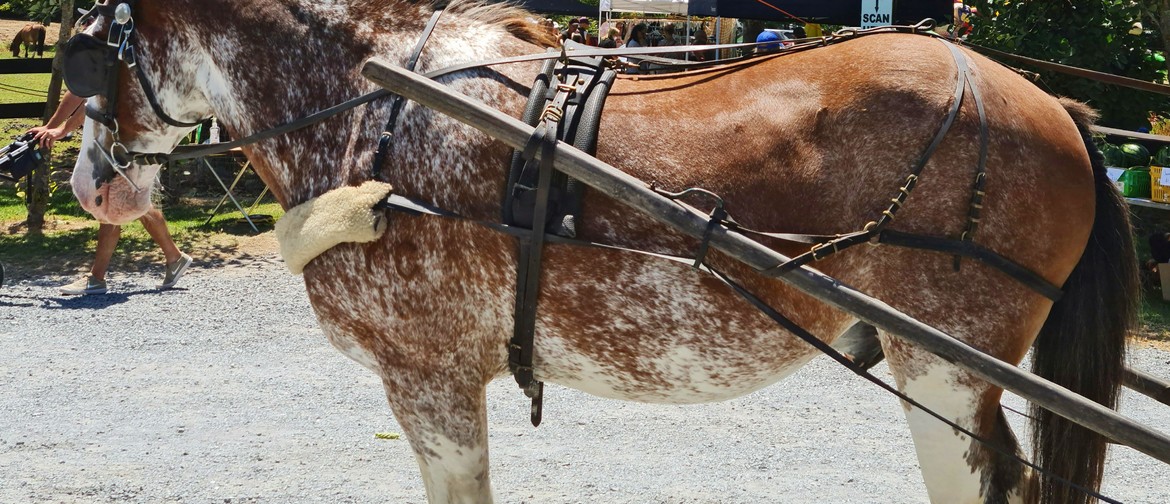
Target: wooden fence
<point x="24" y="66"/>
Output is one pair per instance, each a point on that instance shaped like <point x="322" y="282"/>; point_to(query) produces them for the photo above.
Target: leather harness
<point x="536" y="210"/>
<point x="565" y="105"/>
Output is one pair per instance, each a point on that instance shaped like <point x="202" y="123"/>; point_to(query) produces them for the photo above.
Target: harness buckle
<point x="816" y="249"/>
<point x="553" y="112"/>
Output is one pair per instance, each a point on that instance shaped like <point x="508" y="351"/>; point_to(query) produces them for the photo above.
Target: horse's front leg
<point x="445" y="419"/>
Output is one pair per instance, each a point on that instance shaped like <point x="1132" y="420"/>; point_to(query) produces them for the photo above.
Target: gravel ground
<point x="224" y="390"/>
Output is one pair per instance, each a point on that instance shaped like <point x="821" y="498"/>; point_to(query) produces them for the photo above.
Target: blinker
<point x="88" y="62"/>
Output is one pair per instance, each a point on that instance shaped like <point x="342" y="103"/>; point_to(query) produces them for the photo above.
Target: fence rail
<point x="24" y="66"/>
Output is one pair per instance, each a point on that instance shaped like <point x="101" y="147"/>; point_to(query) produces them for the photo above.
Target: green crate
<point x="1135" y="183"/>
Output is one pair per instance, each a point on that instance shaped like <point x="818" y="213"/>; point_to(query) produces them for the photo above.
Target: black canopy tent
<point x="565" y="7"/>
<point x="842" y="12"/>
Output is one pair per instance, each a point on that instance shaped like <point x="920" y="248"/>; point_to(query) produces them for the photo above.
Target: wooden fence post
<point x="38" y="182"/>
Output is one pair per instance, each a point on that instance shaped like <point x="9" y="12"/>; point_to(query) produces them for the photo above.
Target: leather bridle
<point x="119" y="47"/>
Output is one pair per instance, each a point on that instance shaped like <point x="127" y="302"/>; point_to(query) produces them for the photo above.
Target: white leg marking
<point x="942" y="452"/>
<point x="453" y="473"/>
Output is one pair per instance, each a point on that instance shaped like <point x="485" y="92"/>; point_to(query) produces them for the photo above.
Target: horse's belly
<point x="676" y="375"/>
<point x="659" y="331"/>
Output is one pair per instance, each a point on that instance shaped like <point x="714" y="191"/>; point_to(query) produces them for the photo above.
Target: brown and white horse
<point x="812" y="142"/>
<point x="31" y="36"/>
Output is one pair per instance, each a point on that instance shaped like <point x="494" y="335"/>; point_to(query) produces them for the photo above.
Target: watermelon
<point x="1134" y="155"/>
<point x="1163" y="157"/>
<point x="1112" y="155"/>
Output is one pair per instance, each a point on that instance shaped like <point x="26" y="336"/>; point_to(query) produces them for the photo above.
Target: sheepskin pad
<point x="342" y="215"/>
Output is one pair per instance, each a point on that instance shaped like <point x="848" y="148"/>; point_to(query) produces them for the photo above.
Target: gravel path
<point x="225" y="390"/>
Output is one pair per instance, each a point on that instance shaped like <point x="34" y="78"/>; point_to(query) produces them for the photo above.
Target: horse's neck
<point x="317" y="69"/>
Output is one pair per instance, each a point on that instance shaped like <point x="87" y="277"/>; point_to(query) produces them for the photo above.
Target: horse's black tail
<point x="41" y="42"/>
<point x="1082" y="343"/>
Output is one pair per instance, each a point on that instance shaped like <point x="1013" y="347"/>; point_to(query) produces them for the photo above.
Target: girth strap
<point x="565" y="104"/>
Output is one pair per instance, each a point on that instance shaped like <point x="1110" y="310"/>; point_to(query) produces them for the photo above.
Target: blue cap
<point x="768" y="36"/>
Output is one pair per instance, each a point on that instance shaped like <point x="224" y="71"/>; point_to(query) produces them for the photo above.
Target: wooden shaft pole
<point x="635" y="193"/>
<point x="1148" y="384"/>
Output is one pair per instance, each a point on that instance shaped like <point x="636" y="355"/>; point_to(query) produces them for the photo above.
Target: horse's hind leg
<point x="446" y="423"/>
<point x="956" y="468"/>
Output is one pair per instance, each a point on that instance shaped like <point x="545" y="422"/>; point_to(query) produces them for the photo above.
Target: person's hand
<point x="45" y="136"/>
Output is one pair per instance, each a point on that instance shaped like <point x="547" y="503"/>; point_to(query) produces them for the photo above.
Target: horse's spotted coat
<point x="429" y="306"/>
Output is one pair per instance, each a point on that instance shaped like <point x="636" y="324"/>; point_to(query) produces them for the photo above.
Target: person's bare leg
<point x="108" y="235"/>
<point x="156" y="225"/>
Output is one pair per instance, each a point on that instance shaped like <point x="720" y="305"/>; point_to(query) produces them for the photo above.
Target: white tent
<point x="678" y="7"/>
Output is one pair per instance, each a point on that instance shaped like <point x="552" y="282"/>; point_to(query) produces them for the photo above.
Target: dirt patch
<point x="1152" y="339"/>
<point x="10" y="27"/>
<point x="67" y="247"/>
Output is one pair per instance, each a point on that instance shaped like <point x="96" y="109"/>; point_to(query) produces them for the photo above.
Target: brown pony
<point x="429" y="305"/>
<point x="32" y="35"/>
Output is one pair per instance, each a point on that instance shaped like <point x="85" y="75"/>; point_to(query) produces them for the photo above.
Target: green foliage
<point x="37" y="10"/>
<point x="1092" y="34"/>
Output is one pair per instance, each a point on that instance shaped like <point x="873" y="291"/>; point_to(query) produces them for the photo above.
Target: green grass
<point x="69" y="238"/>
<point x="24" y="88"/>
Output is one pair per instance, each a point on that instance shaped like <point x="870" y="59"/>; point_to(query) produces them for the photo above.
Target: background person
<point x="612" y="40"/>
<point x="637" y="39"/>
<point x="69" y="115"/>
<point x="767" y="36"/>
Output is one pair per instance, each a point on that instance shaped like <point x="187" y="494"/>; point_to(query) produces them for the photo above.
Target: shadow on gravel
<point x="94" y="301"/>
<point x="32" y="300"/>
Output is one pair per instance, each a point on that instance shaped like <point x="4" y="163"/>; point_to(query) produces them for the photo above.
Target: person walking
<point x="69" y="115"/>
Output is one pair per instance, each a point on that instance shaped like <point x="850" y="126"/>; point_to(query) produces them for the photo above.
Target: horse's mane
<point x="15" y="45"/>
<point x="519" y="22"/>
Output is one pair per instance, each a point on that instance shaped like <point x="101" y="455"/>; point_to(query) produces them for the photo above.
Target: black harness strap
<point x="968" y="248"/>
<point x="975" y="209"/>
<point x="192" y="152"/>
<point x="399" y="101"/>
<point x="131" y="59"/>
<point x="520" y="350"/>
<point x="565" y="104"/>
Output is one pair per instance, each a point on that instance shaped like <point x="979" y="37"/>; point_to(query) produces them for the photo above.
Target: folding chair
<point x="228" y="195"/>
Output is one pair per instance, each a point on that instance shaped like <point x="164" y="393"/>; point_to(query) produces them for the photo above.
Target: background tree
<point x="1093" y="34"/>
<point x="44" y="11"/>
<point x="38" y="189"/>
<point x="1158" y="13"/>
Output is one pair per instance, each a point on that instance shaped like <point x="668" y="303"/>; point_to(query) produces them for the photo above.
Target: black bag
<point x="20" y="158"/>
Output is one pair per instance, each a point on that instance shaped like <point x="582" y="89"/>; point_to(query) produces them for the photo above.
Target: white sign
<point x="877" y="13"/>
